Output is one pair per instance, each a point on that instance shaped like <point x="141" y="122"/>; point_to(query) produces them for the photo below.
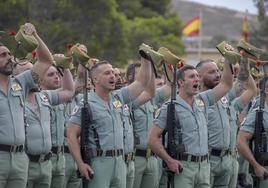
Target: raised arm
<point x="226" y="82"/>
<point x="139" y="85"/>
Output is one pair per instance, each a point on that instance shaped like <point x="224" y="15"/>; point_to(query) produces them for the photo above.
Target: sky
<point x="240" y="5"/>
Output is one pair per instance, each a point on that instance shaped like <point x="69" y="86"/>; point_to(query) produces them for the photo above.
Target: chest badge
<point x="199" y="103"/>
<point x="44" y="98"/>
<point x="224" y="100"/>
<point x="16" y="87"/>
<point x="117" y="104"/>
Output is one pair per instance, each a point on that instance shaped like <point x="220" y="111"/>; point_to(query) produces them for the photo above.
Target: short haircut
<point x="96" y="66"/>
<point x="181" y="71"/>
<point x="201" y="63"/>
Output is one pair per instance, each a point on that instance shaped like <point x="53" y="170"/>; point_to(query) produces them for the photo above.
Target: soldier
<point x="13" y="161"/>
<point x="146" y="163"/>
<point x="191" y="112"/>
<point x="106" y="150"/>
<point x="52" y="81"/>
<point x="38" y="128"/>
<point x="118" y="79"/>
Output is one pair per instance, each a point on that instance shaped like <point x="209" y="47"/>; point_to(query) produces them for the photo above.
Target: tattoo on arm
<point x="244" y="70"/>
<point x="36" y="77"/>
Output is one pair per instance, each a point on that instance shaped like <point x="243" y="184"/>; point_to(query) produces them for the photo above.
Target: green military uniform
<point x="71" y="179"/>
<point x="235" y="107"/>
<point x="219" y="141"/>
<point x="128" y="145"/>
<point x="193" y="121"/>
<point x="249" y="126"/>
<point x="146" y="164"/>
<point x="107" y="157"/>
<point x="39" y="139"/>
<point x="57" y="136"/>
<point x="13" y="160"/>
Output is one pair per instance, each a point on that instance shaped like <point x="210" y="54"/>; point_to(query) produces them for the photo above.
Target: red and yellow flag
<point x="245" y="29"/>
<point x="192" y="27"/>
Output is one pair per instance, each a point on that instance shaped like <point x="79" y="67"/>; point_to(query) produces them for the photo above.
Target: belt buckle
<point x="13" y="148"/>
<point x="129" y="157"/>
<point x="41" y="158"/>
<point x="148" y="153"/>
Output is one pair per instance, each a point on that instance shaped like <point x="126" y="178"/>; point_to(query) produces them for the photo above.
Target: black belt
<point x="40" y="158"/>
<point x="192" y="158"/>
<point x="105" y="153"/>
<point x="129" y="157"/>
<point x="66" y="149"/>
<point x="219" y="152"/>
<point x="57" y="149"/>
<point x="144" y="153"/>
<point x="12" y="148"/>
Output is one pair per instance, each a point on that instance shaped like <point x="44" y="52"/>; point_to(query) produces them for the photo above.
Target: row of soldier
<point x="37" y="121"/>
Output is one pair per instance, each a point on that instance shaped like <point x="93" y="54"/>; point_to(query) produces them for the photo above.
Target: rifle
<point x="260" y="144"/>
<point x="86" y="118"/>
<point x="173" y="127"/>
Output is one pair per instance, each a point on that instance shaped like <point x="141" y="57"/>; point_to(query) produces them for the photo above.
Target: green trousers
<point x="58" y="170"/>
<point x="194" y="175"/>
<point x="71" y="180"/>
<point x="243" y="171"/>
<point x="130" y="169"/>
<point x="109" y="172"/>
<point x="146" y="172"/>
<point x="39" y="174"/>
<point x="234" y="173"/>
<point x="221" y="169"/>
<point x="13" y="169"/>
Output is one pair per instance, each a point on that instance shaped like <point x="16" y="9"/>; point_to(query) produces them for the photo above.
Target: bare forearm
<point x="227" y="75"/>
<point x="43" y="53"/>
<point x="75" y="150"/>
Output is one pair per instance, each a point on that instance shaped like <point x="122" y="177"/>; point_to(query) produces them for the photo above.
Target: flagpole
<point x="200" y="35"/>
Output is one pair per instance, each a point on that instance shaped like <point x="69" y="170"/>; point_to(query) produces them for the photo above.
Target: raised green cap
<point x="78" y="52"/>
<point x="28" y="42"/>
<point x="228" y="52"/>
<point x="250" y="49"/>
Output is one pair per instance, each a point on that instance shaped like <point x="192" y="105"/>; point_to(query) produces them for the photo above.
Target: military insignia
<point x="157" y="113"/>
<point x="117" y="104"/>
<point x="199" y="103"/>
<point x="75" y="110"/>
<point x="224" y="100"/>
<point x="126" y="107"/>
<point x="228" y="47"/>
<point x="44" y="98"/>
<point x="16" y="87"/>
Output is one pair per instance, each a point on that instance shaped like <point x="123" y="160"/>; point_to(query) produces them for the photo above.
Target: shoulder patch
<point x="15" y="87"/>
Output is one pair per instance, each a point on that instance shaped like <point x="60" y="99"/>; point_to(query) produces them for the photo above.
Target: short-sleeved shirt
<point x="143" y="117"/>
<point x="235" y="107"/>
<point x="249" y="124"/>
<point x="69" y="106"/>
<point x="106" y="118"/>
<point x="218" y="122"/>
<point x="193" y="121"/>
<point x="38" y="129"/>
<point x="12" y="124"/>
<point x="57" y="124"/>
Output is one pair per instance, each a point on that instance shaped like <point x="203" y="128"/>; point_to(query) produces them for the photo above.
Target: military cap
<point x="27" y="41"/>
<point x="249" y="49"/>
<point x="170" y="59"/>
<point x="80" y="52"/>
<point x="157" y="59"/>
<point x="228" y="52"/>
<point x="63" y="61"/>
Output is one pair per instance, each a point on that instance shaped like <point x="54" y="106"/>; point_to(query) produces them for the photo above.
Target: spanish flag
<point x="245" y="29"/>
<point x="192" y="27"/>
